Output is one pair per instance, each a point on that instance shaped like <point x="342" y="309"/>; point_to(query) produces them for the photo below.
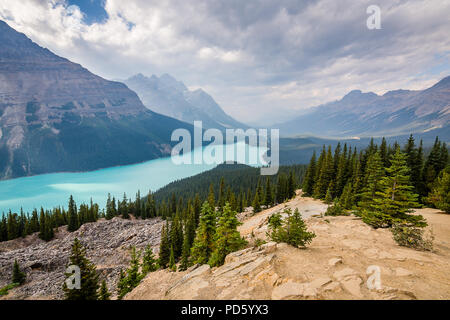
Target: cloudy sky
<point x="263" y="61"/>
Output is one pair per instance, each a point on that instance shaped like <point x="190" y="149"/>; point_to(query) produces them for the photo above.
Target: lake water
<point x="52" y="190"/>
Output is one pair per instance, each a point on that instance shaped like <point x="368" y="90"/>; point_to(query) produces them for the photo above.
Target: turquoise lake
<point x="52" y="190"/>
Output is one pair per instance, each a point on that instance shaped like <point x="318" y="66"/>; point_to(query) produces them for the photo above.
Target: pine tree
<point x="104" y="293"/>
<point x="328" y="197"/>
<point x="164" y="247"/>
<point x="122" y="287"/>
<point x="133" y="277"/>
<point x="341" y="174"/>
<point x="439" y="196"/>
<point x="374" y="175"/>
<point x="176" y="235"/>
<point x="227" y="238"/>
<point x="396" y="198"/>
<point x="291" y="185"/>
<point x="432" y="166"/>
<point x="88" y="275"/>
<point x="268" y="199"/>
<point x="221" y="200"/>
<point x="203" y="245"/>
<point x="325" y="176"/>
<point x="292" y="230"/>
<point x="346" y="199"/>
<point x="149" y="262"/>
<point x="308" y="182"/>
<point x="211" y="197"/>
<point x="109" y="211"/>
<point x="384" y="153"/>
<point x="137" y="204"/>
<point x="172" y="265"/>
<point x="73" y="216"/>
<point x="256" y="204"/>
<point x="124" y="207"/>
<point x="185" y="253"/>
<point x="18" y="276"/>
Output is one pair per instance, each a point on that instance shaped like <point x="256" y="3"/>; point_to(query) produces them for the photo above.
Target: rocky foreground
<point x="333" y="266"/>
<point x="44" y="263"/>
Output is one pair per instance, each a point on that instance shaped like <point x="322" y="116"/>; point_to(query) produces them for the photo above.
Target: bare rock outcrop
<point x="107" y="244"/>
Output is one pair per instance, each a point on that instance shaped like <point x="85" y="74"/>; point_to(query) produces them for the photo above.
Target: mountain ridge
<point x="365" y="114"/>
<point x="171" y="97"/>
<point x="55" y="115"/>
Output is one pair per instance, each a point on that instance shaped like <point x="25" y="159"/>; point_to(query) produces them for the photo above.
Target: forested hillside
<point x="381" y="183"/>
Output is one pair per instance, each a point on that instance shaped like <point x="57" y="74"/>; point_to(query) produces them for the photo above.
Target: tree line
<point x="382" y="183"/>
<point x="240" y="185"/>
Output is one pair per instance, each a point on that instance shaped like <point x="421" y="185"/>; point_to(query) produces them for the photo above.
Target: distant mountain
<point x="57" y="116"/>
<point x="368" y="114"/>
<point x="171" y="97"/>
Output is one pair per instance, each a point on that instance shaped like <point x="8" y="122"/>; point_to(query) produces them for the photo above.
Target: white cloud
<point x="262" y="61"/>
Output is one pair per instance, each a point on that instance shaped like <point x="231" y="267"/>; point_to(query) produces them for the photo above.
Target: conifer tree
<point x="203" y="245"/>
<point x="176" y="235"/>
<point x="109" y="211"/>
<point x="227" y="239"/>
<point x="396" y="198"/>
<point x="221" y="200"/>
<point x="164" y="247"/>
<point x="291" y="185"/>
<point x="104" y="293"/>
<point x="185" y="253"/>
<point x="374" y="175"/>
<point x="124" y="207"/>
<point x="308" y="182"/>
<point x="292" y="230"/>
<point x="122" y="287"/>
<point x="439" y="196"/>
<point x="256" y="204"/>
<point x="346" y="199"/>
<point x="384" y="153"/>
<point x="211" y="197"/>
<point x="88" y="275"/>
<point x="328" y="197"/>
<point x="137" y="204"/>
<point x="149" y="262"/>
<point x="268" y="199"/>
<point x="73" y="216"/>
<point x="133" y="276"/>
<point x="325" y="176"/>
<point x="172" y="265"/>
<point x="18" y="276"/>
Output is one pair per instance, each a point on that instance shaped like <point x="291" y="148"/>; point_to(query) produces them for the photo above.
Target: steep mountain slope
<point x="365" y="114"/>
<point x="57" y="116"/>
<point x="168" y="96"/>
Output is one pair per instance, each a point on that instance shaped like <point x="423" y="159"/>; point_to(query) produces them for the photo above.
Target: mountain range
<point x="368" y="114"/>
<point x="171" y="97"/>
<point x="56" y="116"/>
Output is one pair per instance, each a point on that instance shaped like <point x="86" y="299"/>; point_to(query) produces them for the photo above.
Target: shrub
<point x="412" y="237"/>
<point x="336" y="210"/>
<point x="4" y="290"/>
<point x="291" y="230"/>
